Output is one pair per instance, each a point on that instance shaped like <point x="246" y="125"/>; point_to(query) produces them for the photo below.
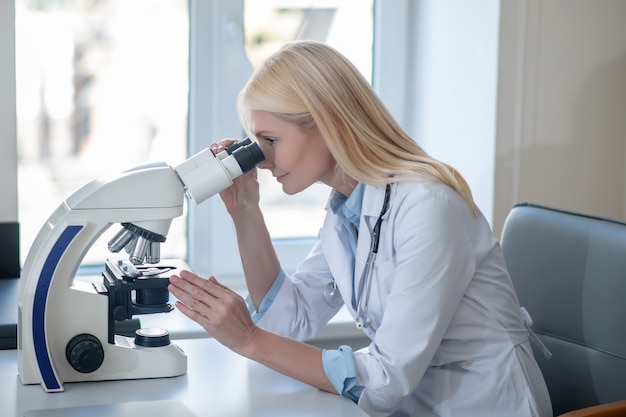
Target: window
<point x="268" y="25"/>
<point x="101" y="88"/>
<point x="216" y="36"/>
<point x="70" y="84"/>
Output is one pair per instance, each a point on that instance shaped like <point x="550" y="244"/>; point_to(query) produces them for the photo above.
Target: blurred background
<point x="102" y="86"/>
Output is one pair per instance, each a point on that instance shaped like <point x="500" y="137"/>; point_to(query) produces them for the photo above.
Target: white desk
<point x="218" y="383"/>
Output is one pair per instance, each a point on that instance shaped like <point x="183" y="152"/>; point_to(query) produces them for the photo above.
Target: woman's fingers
<point x="220" y="311"/>
<point x="218" y="147"/>
<point x="218" y="284"/>
<point x="190" y="292"/>
<point x="192" y="314"/>
<point x="200" y="294"/>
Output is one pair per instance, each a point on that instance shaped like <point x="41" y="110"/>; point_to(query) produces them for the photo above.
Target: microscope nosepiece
<point x="141" y="244"/>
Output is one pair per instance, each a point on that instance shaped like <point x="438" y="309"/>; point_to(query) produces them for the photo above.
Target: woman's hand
<point x="244" y="192"/>
<point x="220" y="311"/>
<point x="224" y="315"/>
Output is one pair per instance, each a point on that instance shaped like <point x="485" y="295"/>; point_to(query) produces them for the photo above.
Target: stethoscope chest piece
<point x="332" y="295"/>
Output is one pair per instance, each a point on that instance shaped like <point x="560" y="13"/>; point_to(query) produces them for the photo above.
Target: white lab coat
<point x="447" y="335"/>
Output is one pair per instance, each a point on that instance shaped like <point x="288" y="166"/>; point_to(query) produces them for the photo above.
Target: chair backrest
<point x="569" y="271"/>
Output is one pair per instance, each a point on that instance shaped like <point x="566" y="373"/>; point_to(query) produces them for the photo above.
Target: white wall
<point x="436" y="70"/>
<point x="8" y="145"/>
<point x="561" y="124"/>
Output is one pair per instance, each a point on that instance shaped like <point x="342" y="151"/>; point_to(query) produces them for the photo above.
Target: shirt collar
<point x="349" y="208"/>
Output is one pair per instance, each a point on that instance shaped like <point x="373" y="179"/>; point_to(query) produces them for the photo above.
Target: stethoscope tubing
<point x="362" y="317"/>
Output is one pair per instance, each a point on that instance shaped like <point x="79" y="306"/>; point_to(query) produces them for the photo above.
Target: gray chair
<point x="569" y="271"/>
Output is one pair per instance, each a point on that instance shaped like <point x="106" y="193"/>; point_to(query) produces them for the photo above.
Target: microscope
<point x="66" y="327"/>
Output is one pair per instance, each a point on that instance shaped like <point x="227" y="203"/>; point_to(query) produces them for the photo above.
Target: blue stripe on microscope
<point x="39" y="306"/>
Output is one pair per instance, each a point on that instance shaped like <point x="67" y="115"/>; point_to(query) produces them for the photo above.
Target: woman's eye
<point x="270" y="141"/>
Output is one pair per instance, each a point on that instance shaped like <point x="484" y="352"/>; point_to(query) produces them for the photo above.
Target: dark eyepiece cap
<point x="248" y="156"/>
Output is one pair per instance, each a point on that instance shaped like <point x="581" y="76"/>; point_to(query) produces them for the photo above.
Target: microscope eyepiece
<point x="248" y="156"/>
<point x="206" y="174"/>
<point x="243" y="142"/>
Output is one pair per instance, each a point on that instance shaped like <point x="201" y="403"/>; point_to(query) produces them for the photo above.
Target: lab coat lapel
<point x="339" y="257"/>
<point x="336" y="244"/>
<point x="373" y="198"/>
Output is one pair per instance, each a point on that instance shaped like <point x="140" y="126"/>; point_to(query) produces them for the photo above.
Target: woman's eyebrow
<point x="262" y="133"/>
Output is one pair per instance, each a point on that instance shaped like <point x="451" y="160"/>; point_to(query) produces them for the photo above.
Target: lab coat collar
<point x="344" y="267"/>
<point x="373" y="201"/>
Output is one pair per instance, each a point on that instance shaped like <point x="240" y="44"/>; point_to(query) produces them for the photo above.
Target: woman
<point x="447" y="337"/>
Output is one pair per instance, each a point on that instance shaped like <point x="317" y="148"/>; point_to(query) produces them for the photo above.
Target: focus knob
<point x="85" y="353"/>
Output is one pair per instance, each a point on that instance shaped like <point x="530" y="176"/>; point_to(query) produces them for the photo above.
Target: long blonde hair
<point x="312" y="85"/>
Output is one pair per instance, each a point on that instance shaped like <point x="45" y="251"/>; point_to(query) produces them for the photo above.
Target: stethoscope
<point x="331" y="293"/>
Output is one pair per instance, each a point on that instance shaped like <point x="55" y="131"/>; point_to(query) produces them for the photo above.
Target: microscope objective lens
<point x="120" y="240"/>
<point x="140" y="250"/>
<point x="153" y="256"/>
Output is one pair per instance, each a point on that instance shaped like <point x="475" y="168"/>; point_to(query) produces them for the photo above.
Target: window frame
<point x="218" y="70"/>
<point x="216" y="47"/>
<point x="8" y="116"/>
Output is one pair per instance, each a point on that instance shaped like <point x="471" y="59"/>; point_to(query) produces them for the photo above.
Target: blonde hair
<point x="312" y="85"/>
